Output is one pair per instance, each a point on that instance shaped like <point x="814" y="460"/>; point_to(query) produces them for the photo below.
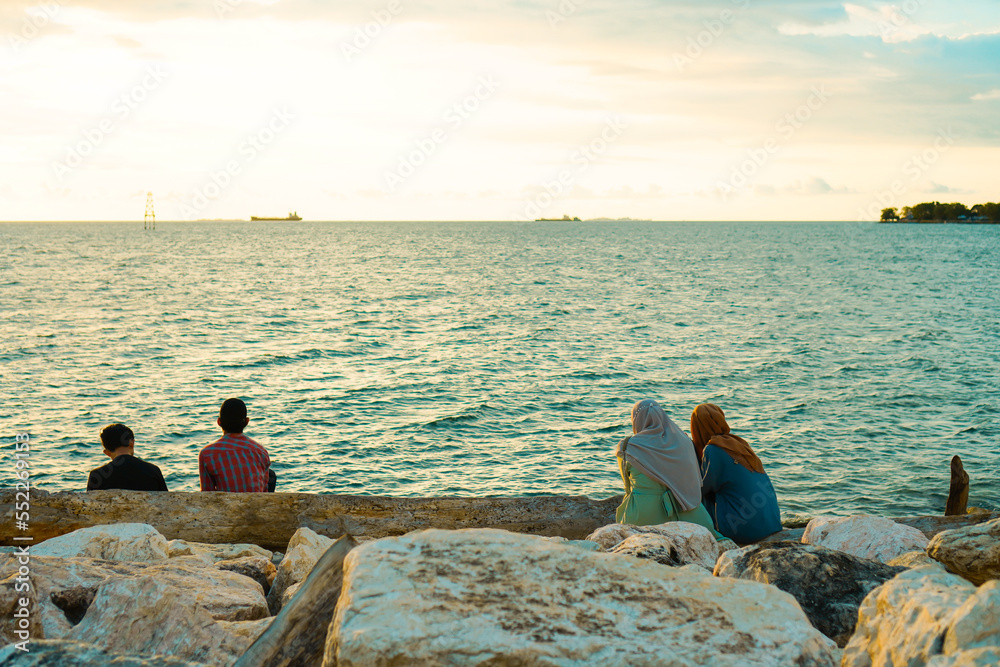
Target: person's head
<point x="233" y="416"/>
<point x="117" y="439"/>
<point x="648" y="416"/>
<point x="707" y="420"/>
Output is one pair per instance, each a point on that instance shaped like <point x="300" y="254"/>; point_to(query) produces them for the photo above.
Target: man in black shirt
<point x="125" y="470"/>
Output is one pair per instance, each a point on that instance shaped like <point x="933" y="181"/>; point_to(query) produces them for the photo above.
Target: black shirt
<point x="126" y="472"/>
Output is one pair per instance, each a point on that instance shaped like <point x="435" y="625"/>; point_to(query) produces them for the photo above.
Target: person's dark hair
<point x="116" y="436"/>
<point x="233" y="415"/>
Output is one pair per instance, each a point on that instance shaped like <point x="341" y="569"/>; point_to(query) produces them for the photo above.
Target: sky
<point x="509" y="110"/>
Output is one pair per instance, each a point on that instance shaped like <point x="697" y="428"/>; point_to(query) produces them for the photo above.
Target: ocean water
<point x="434" y="359"/>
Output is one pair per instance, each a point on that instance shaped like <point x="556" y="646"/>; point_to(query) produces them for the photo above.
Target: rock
<point x="663" y="550"/>
<point x="131" y="542"/>
<point x="864" y="536"/>
<point x="691" y="543"/>
<point x="298" y="634"/>
<point x="583" y="544"/>
<point x="304" y="551"/>
<point x="972" y="552"/>
<point x="829" y="585"/>
<point x="258" y="568"/>
<point x="905" y="621"/>
<point x="977" y="657"/>
<point x="490" y="597"/>
<point x="216" y="552"/>
<point x="66" y="586"/>
<point x="270" y="519"/>
<point x="912" y="559"/>
<point x="61" y="653"/>
<point x="143" y="616"/>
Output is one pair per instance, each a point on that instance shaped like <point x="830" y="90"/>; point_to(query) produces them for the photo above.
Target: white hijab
<point x="660" y="450"/>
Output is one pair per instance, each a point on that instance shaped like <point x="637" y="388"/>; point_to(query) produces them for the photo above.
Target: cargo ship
<point x="292" y="217"/>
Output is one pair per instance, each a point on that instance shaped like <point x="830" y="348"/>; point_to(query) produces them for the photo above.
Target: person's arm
<point x="162" y="482"/>
<point x="93" y="483"/>
<point x="205" y="475"/>
<point x="711" y="472"/>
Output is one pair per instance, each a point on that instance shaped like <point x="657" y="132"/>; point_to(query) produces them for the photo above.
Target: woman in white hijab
<point x="660" y="472"/>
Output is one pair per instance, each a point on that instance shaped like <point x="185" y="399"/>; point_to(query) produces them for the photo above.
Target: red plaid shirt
<point x="234" y="463"/>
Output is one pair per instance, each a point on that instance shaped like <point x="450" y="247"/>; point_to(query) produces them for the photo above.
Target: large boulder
<point x="62" y="653"/>
<point x="143" y="616"/>
<point x="673" y="543"/>
<point x="829" y="585"/>
<point x="864" y="536"/>
<point x="927" y="616"/>
<point x="972" y="552"/>
<point x="130" y="542"/>
<point x="492" y="597"/>
<point x="65" y="588"/>
<point x="304" y="550"/>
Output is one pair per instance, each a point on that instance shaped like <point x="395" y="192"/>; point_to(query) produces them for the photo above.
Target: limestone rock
<point x="216" y="552"/>
<point x="492" y="597"/>
<point x="829" y="585"/>
<point x="905" y="621"/>
<point x="65" y="588"/>
<point x="972" y="552"/>
<point x="977" y="657"/>
<point x="143" y="616"/>
<point x="270" y="519"/>
<point x="61" y="653"/>
<point x="692" y="544"/>
<point x="131" y="542"/>
<point x="912" y="559"/>
<point x="864" y="536"/>
<point x="665" y="550"/>
<point x="304" y="550"/>
<point x="258" y="568"/>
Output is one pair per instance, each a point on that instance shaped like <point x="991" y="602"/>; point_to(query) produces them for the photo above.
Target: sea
<point x="502" y="359"/>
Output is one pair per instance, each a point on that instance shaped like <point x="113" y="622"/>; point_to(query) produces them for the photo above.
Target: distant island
<point x="618" y="220"/>
<point x="565" y="218"/>
<point x="936" y="212"/>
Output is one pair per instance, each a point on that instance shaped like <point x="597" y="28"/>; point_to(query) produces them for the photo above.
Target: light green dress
<point x="649" y="503"/>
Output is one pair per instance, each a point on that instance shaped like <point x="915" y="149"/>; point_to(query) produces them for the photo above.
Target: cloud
<point x="984" y="97"/>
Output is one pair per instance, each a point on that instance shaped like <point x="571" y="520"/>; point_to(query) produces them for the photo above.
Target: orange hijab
<point x="709" y="427"/>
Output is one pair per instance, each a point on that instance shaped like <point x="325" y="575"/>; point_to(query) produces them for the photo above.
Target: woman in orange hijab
<point x="734" y="487"/>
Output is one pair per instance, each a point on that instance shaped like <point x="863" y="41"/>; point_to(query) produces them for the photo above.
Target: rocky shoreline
<point x="854" y="591"/>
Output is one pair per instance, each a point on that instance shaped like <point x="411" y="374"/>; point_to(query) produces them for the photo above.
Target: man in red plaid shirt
<point x="234" y="462"/>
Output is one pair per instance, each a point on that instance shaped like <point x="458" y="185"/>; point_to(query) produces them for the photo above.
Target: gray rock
<point x="829" y="585"/>
<point x="60" y="653"/>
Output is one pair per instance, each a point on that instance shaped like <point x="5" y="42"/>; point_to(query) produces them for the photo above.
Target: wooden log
<point x="297" y="635"/>
<point x="958" y="494"/>
<point x="269" y="519"/>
